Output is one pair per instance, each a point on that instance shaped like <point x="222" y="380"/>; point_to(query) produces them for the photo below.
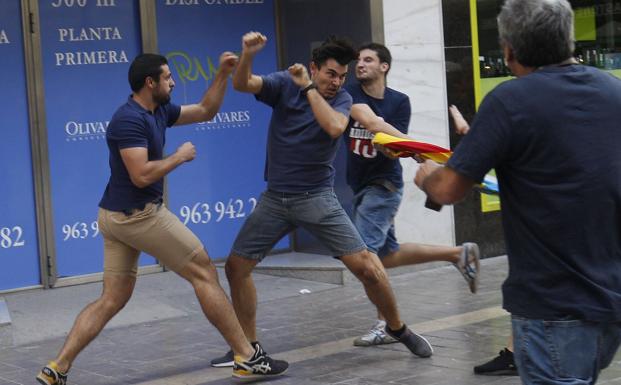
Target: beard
<point x="161" y="98"/>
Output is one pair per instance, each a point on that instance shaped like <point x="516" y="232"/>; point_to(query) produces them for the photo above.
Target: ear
<point x="149" y="82"/>
<point x="313" y="69"/>
<point x="384" y="67"/>
<point x="508" y="54"/>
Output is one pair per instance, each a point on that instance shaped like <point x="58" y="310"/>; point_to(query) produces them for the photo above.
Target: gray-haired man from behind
<point x="551" y="135"/>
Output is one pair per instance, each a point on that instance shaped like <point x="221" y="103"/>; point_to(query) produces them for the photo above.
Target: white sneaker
<point x="376" y="336"/>
<point x="469" y="265"/>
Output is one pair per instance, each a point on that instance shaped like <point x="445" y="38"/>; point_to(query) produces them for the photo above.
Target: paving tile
<point x="177" y="350"/>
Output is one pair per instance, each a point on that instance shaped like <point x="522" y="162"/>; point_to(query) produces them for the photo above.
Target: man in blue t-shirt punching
<point x="310" y="113"/>
<point x="376" y="178"/>
<point x="552" y="135"/>
<point x="132" y="217"/>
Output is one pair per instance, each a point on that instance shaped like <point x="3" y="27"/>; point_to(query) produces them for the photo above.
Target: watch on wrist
<point x="309" y="87"/>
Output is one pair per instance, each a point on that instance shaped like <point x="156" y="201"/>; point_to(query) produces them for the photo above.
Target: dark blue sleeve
<point x="128" y="132"/>
<point x="342" y="103"/>
<point x="486" y="144"/>
<point x="403" y="113"/>
<point x="272" y="88"/>
<point x="172" y="113"/>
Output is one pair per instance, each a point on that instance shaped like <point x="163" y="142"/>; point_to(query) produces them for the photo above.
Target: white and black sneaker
<point x="226" y="361"/>
<point x="259" y="366"/>
<point x="376" y="336"/>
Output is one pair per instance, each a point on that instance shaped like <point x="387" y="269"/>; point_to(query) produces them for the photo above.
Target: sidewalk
<point x="161" y="337"/>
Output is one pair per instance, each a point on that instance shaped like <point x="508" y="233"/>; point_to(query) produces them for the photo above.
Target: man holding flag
<point x="376" y="178"/>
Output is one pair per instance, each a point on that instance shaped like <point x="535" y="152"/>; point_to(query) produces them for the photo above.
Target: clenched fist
<point x="299" y="74"/>
<point x="228" y="61"/>
<point x="253" y="42"/>
<point x="187" y="151"/>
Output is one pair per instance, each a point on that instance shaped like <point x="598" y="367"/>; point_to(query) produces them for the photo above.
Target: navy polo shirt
<point x="133" y="126"/>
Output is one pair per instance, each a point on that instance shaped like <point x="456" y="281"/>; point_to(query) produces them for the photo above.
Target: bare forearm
<point x="212" y="100"/>
<point x="363" y="114"/>
<point x="381" y="126"/>
<point x="445" y="186"/>
<point x="155" y="170"/>
<point x="243" y="73"/>
<point x="332" y="122"/>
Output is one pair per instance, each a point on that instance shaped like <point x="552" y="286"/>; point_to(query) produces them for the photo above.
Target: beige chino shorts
<point x="154" y="230"/>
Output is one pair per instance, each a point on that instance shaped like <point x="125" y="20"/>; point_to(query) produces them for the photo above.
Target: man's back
<point x="555" y="134"/>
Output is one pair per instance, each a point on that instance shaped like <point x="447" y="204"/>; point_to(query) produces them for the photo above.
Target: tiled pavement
<point x="164" y="339"/>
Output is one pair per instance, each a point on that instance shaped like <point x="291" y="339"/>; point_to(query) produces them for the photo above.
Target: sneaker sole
<point x="250" y="377"/>
<point x="228" y="364"/>
<point x="365" y="344"/>
<point x="42" y="381"/>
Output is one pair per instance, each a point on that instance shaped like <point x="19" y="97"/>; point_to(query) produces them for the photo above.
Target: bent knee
<point x="114" y="304"/>
<point x="237" y="267"/>
<point x="200" y="269"/>
<point x="368" y="269"/>
<point x="372" y="275"/>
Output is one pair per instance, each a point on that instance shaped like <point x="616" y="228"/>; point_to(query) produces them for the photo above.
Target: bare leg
<point x="203" y="276"/>
<point x="413" y="253"/>
<point x="117" y="289"/>
<point x="368" y="269"/>
<point x="243" y="292"/>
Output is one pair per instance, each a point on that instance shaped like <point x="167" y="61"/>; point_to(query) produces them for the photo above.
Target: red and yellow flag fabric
<point x="405" y="148"/>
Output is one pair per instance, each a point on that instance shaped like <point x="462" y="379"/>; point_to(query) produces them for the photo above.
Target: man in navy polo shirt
<point x="552" y="135"/>
<point x="132" y="217"/>
<point x="309" y="115"/>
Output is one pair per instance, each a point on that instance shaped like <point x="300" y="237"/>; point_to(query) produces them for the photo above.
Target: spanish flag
<point x="405" y="148"/>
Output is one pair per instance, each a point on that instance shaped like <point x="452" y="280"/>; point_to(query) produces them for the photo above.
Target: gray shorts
<point x="277" y="214"/>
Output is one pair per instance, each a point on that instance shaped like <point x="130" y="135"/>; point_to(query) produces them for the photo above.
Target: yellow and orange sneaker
<point x="50" y="375"/>
<point x="259" y="366"/>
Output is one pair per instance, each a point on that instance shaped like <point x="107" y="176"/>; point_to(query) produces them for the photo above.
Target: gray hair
<point x="540" y="32"/>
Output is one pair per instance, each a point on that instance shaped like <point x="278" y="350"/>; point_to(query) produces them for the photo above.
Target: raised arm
<point x="143" y="172"/>
<point x="331" y="121"/>
<point x="211" y="102"/>
<point x="243" y="79"/>
<point x="461" y="126"/>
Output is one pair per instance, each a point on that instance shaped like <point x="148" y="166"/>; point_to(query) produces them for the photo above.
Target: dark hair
<point x="382" y="53"/>
<point x="340" y="50"/>
<point x="540" y="32"/>
<point x="144" y="66"/>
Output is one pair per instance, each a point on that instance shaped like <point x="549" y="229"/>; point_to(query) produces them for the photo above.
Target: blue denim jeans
<point x="374" y="211"/>
<point x="567" y="352"/>
<point x="277" y="214"/>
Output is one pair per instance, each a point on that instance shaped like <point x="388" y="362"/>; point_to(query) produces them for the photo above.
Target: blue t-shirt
<point x="365" y="164"/>
<point x="299" y="152"/>
<point x="553" y="137"/>
<point x="133" y="126"/>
